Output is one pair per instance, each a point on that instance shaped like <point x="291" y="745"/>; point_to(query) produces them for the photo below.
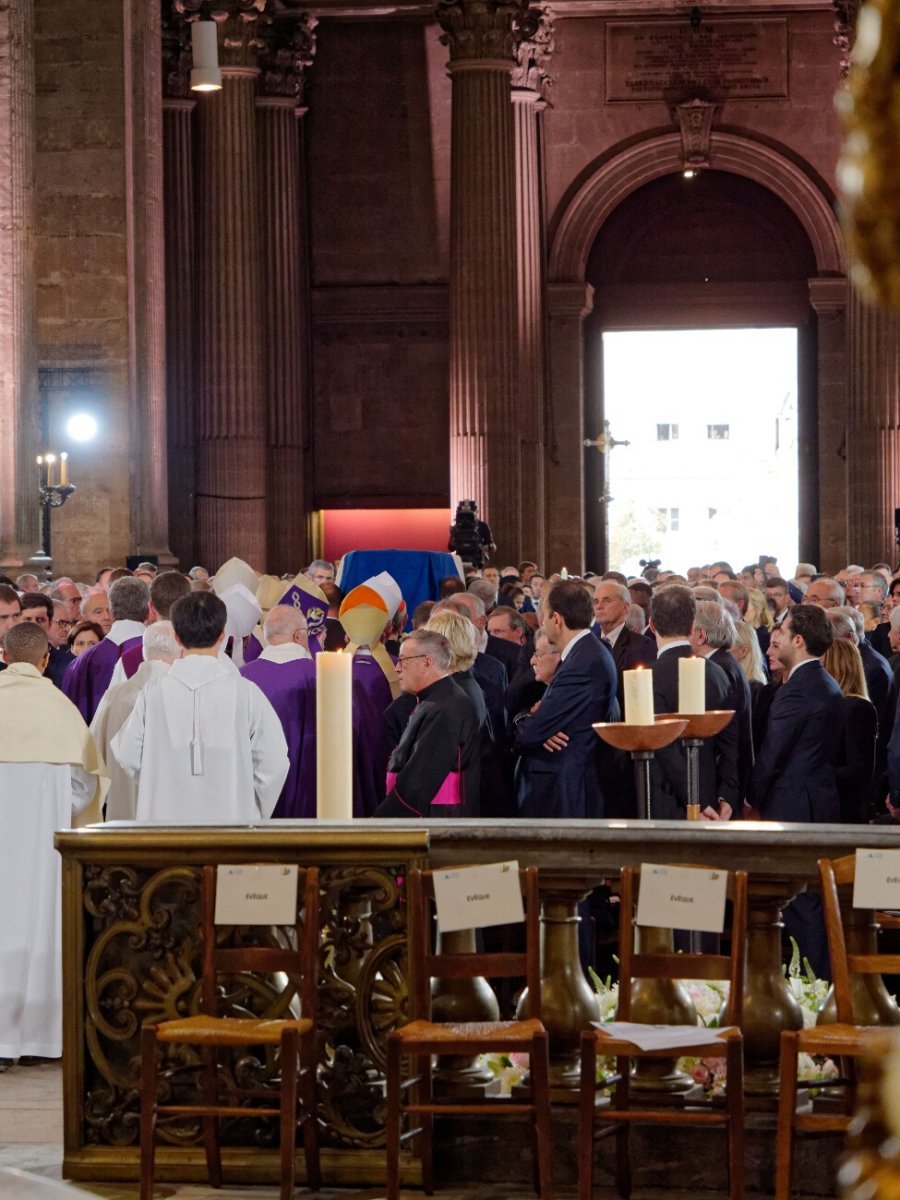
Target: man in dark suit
<point x="848" y="623"/>
<point x="629" y="649"/>
<point x="672" y="612"/>
<point x="712" y="638"/>
<point x="794" y="777"/>
<point x="559" y="764"/>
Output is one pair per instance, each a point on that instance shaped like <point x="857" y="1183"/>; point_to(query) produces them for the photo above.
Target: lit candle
<point x="43" y="473"/>
<point x="692" y="685"/>
<point x="49" y="459"/>
<point x="564" y="573"/>
<point x="63" y="469"/>
<point x="334" y="737"/>
<point x="638" y="696"/>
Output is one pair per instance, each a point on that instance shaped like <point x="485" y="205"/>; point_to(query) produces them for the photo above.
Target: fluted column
<point x="282" y="175"/>
<point x="19" y="428"/>
<point x="533" y="47"/>
<point x="146" y="275"/>
<point x="484" y="409"/>
<point x="230" y="422"/>
<point x="873" y="435"/>
<point x="178" y="186"/>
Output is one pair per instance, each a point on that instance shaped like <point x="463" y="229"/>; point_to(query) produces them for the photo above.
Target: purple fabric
<point x="90" y="674"/>
<point x="291" y="690"/>
<point x="132" y="659"/>
<point x="315" y="612"/>
<point x="252" y="649"/>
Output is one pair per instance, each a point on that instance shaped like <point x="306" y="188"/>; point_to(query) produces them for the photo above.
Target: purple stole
<point x="88" y="677"/>
<point x="252" y="649"/>
<point x="132" y="659"/>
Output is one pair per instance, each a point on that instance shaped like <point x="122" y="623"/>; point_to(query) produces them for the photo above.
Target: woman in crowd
<point x="84" y="635"/>
<point x="855" y="759"/>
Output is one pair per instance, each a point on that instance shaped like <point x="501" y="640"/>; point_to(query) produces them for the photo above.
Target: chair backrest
<point x="666" y="964"/>
<point x="835" y="874"/>
<point x="431" y="963"/>
<point x="298" y="961"/>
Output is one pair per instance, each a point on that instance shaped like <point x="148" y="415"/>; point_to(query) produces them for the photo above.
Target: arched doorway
<point x="794" y="197"/>
<point x="713" y="251"/>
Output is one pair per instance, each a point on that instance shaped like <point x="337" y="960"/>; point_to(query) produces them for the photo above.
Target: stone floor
<point x="31" y="1141"/>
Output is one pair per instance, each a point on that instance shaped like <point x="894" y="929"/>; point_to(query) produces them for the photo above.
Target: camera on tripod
<point x="469" y="537"/>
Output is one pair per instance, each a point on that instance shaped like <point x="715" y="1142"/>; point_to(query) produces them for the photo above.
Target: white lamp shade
<point x="205" y="75"/>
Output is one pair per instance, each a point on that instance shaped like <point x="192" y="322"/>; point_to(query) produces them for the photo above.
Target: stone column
<point x="178" y="188"/>
<point x="529" y="79"/>
<point x="230" y="423"/>
<point x="568" y="305"/>
<point x="828" y="297"/>
<point x="873" y="434"/>
<point x="484" y="402"/>
<point x="146" y="274"/>
<point x="282" y="176"/>
<point x="19" y="426"/>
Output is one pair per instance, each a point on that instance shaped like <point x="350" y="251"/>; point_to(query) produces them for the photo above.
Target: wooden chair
<point x="422" y="1037"/>
<point x="597" y="1043"/>
<point x="209" y="1031"/>
<point x="842" y="1040"/>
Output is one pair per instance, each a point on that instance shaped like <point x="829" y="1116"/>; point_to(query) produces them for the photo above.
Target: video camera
<point x="469" y="537"/>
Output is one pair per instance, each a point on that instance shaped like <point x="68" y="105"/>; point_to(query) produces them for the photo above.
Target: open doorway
<point x="711" y="470"/>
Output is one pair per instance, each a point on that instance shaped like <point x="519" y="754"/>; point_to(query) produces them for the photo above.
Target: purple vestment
<point x="290" y="688"/>
<point x="88" y="677"/>
<point x="252" y="649"/>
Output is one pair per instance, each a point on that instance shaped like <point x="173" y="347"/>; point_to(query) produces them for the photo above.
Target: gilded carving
<point x="479" y="29"/>
<point x="533" y="36"/>
<point x="143" y="963"/>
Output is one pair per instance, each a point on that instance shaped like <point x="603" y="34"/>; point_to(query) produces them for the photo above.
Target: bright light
<point x="688" y="174"/>
<point x="82" y="427"/>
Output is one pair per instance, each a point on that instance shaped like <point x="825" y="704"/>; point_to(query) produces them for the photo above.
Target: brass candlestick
<point x="642" y="742"/>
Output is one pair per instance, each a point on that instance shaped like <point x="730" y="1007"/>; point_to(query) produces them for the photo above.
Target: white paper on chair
<point x="256" y="894"/>
<point x="682" y="898"/>
<point x="661" y="1037"/>
<point x="474" y="897"/>
<point x="877" y="880"/>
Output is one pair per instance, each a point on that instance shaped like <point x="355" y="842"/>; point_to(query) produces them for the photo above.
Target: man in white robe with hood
<point x="50" y="770"/>
<point x="160" y="650"/>
<point x="204" y="745"/>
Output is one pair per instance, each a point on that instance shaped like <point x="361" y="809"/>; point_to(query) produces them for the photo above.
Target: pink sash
<point x="448" y="794"/>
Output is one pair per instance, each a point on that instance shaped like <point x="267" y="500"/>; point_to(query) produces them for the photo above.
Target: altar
<point x="131" y="954"/>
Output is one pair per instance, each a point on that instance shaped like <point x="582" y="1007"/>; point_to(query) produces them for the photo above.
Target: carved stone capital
<point x="289" y="48"/>
<point x="533" y="45"/>
<point x="176" y="55"/>
<point x="239" y="21"/>
<point x="479" y="29"/>
<point x="845" y="15"/>
<point x="695" y="121"/>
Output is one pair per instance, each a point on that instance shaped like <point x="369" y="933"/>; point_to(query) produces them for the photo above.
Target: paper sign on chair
<point x="682" y="898"/>
<point x="475" y="897"/>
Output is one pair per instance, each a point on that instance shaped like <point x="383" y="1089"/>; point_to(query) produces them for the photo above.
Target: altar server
<point x="205" y="745"/>
<point x="159" y="650"/>
<point x="91" y="673"/>
<point x="49" y="770"/>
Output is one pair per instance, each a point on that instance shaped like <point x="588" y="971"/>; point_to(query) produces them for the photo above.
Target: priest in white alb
<point x="160" y="650"/>
<point x="204" y="745"/>
<point x="50" y="770"/>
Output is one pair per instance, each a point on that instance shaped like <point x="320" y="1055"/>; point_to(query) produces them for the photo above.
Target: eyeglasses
<point x="543" y="654"/>
<point x="64" y="624"/>
<point x="407" y="658"/>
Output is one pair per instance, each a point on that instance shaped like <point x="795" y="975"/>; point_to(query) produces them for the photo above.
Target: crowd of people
<point x="156" y="695"/>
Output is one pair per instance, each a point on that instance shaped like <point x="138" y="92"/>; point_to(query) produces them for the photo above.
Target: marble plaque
<point x="666" y="60"/>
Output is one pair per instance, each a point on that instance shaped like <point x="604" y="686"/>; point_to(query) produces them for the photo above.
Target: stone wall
<point x="82" y="303"/>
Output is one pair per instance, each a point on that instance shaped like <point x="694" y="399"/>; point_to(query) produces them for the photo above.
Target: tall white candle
<point x="638" y="686"/>
<point x="334" y="737"/>
<point x="692" y="685"/>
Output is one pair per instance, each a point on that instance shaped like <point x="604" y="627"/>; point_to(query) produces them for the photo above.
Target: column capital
<point x="828" y="295"/>
<point x="176" y="55"/>
<point x="845" y="16"/>
<point x="288" y="50"/>
<point x="240" y="22"/>
<point x="533" y="45"/>
<point x="476" y="30"/>
<point x="570" y="299"/>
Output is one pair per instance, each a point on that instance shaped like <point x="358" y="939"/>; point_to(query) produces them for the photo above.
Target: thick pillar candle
<point x="334" y="737"/>
<point x="638" y="686"/>
<point x="692" y="685"/>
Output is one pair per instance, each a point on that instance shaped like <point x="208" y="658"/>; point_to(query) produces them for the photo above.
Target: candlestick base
<point x="641" y="737"/>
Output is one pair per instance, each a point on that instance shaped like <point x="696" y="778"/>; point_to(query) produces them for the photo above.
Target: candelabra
<point x="52" y="494"/>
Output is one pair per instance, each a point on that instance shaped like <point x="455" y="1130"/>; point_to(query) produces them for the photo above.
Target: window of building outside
<point x="729" y="398"/>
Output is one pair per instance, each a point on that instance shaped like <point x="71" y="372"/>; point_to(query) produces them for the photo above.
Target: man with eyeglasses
<point x="39" y="610"/>
<point x="435" y="769"/>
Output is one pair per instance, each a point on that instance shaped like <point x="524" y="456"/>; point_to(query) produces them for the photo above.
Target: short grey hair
<point x="85" y="599"/>
<point x="635" y="618"/>
<point x="877" y="580"/>
<point x="283" y="621"/>
<point x="484" y="592"/>
<point x="322" y="564"/>
<point x="704" y="594"/>
<point x="716" y="623"/>
<point x="619" y="590"/>
<point x="159" y="643"/>
<point x="435" y="645"/>
<point x="129" y="599"/>
<point x="847" y="623"/>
